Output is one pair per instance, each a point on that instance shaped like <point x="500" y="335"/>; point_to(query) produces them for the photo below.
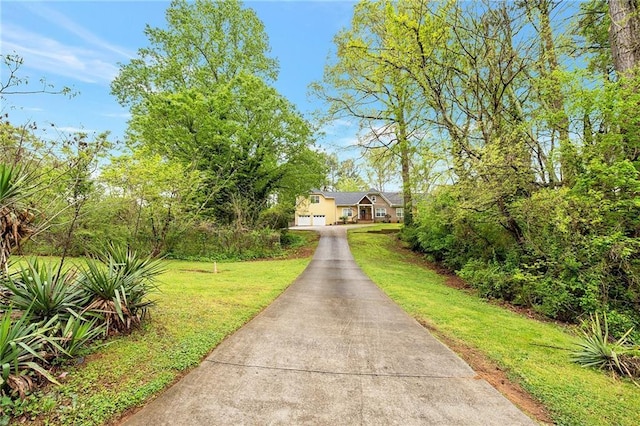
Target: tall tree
<point x="465" y="62"/>
<point x="159" y="196"/>
<point x="360" y="84"/>
<point x="349" y="178"/>
<point x="624" y="36"/>
<point x="205" y="43"/>
<point x="380" y="168"/>
<point x="199" y="95"/>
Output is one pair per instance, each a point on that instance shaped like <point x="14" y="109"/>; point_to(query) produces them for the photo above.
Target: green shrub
<point x="569" y="258"/>
<point x="489" y="278"/>
<point x="291" y="239"/>
<point x="277" y="217"/>
<point x="619" y="322"/>
<point x="209" y="242"/>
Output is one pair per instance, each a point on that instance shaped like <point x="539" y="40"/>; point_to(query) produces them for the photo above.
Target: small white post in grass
<point x="215" y="267"/>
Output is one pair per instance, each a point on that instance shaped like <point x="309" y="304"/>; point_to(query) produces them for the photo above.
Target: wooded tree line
<point x="529" y="111"/>
<point x="214" y="155"/>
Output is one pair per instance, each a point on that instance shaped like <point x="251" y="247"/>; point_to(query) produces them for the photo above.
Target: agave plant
<point x="596" y="348"/>
<point x="77" y="333"/>
<point x="45" y="292"/>
<point x="123" y="260"/>
<point x="23" y="347"/>
<point x="120" y="287"/>
<point x="15" y="219"/>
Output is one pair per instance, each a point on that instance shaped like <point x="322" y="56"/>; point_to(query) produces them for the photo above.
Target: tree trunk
<point x="624" y="36"/>
<point x="405" y="158"/>
<point x="556" y="99"/>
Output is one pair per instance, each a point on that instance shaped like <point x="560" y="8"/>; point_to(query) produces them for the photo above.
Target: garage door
<point x="319" y="220"/>
<point x="304" y="220"/>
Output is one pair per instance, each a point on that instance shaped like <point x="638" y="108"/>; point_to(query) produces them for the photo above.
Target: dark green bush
<point x="291" y="239"/>
<point x="209" y="242"/>
<point x="577" y="252"/>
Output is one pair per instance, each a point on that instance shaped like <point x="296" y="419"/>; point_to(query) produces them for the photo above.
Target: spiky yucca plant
<point x="122" y="259"/>
<point x="77" y="333"/>
<point x="596" y="349"/>
<point x="23" y="346"/>
<point x="120" y="286"/>
<point x="45" y="292"/>
<point x="15" y="218"/>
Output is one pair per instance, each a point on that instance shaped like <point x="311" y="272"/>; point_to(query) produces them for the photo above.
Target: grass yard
<point x="528" y="350"/>
<point x="196" y="309"/>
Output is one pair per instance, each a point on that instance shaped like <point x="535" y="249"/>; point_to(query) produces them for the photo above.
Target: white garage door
<point x="319" y="220"/>
<point x="304" y="220"/>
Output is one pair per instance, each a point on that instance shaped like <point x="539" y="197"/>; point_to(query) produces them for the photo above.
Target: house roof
<point x="352" y="198"/>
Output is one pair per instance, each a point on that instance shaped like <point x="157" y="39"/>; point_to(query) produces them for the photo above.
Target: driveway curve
<point x="333" y="349"/>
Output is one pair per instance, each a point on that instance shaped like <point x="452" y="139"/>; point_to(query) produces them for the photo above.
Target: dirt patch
<point x="304" y="251"/>
<point x="495" y="376"/>
<point x="384" y="231"/>
<point x="301" y="252"/>
<point x="201" y="271"/>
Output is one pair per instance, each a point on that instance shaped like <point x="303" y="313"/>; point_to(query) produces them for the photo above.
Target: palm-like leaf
<point x="129" y="263"/>
<point x="12" y="182"/>
<point x="15" y="221"/>
<point x="120" y="286"/>
<point x="22" y="343"/>
<point x="38" y="287"/>
<point x="597" y="350"/>
<point x="77" y="333"/>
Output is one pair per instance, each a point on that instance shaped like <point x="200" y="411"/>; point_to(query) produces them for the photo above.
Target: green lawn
<point x="523" y="347"/>
<point x="195" y="311"/>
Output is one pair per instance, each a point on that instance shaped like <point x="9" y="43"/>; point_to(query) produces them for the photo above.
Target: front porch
<point x="365" y="213"/>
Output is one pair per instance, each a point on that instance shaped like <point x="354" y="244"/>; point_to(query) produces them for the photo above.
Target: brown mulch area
<point x="480" y="363"/>
<point x="306" y="250"/>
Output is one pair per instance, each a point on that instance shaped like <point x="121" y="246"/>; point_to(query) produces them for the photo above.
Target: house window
<point x="381" y="212"/>
<point x="373" y="198"/>
<point x="347" y="212"/>
<point x="399" y="212"/>
<point x="315" y="199"/>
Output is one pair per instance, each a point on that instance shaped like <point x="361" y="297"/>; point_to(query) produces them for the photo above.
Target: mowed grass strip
<point x="196" y="309"/>
<point x="527" y="349"/>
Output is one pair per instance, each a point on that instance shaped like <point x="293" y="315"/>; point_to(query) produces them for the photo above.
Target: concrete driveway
<point x="331" y="350"/>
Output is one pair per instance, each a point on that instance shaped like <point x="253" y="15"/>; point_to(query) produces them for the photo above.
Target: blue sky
<point x="80" y="43"/>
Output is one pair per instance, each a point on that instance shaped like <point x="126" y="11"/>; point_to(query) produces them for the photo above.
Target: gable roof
<point x="394" y="199"/>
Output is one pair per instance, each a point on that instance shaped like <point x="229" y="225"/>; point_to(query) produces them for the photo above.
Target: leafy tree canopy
<point x="200" y="95"/>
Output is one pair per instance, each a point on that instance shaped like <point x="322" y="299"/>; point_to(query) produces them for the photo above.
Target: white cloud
<point x="49" y="55"/>
<point x="337" y="127"/>
<point x="87" y="36"/>
<point x="70" y="129"/>
<point x="126" y="115"/>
